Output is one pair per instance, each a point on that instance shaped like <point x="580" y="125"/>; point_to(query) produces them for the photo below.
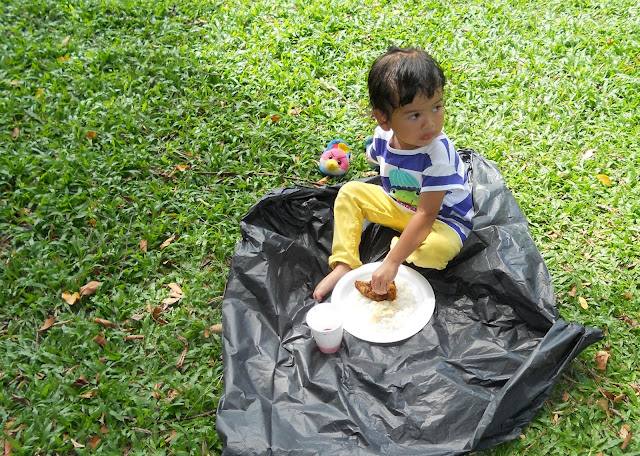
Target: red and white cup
<point x="325" y="323"/>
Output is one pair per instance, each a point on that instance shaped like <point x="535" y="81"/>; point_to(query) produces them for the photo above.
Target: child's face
<point x="416" y="124"/>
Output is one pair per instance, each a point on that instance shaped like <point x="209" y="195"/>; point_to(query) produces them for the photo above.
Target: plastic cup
<point x="325" y="323"/>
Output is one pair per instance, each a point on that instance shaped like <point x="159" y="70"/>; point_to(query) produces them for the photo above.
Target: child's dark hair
<point x="399" y="75"/>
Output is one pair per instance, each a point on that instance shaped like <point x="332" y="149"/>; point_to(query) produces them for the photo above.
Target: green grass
<point x="110" y="137"/>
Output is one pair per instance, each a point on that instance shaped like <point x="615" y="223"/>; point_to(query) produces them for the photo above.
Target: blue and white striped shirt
<point x="436" y="167"/>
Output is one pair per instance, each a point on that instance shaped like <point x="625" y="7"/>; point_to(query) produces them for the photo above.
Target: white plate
<point x="358" y="316"/>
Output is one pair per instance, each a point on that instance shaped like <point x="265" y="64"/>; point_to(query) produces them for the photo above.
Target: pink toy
<point x="334" y="161"/>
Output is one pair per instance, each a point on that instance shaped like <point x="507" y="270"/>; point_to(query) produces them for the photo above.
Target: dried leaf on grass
<point x="180" y="362"/>
<point x="70" y="298"/>
<point x="157" y="394"/>
<point x="167" y="242"/>
<point x="105" y="323"/>
<point x="90" y="288"/>
<point x="625" y="435"/>
<point x="100" y="340"/>
<point x="95" y="441"/>
<point x="168" y="439"/>
<point x="143" y="245"/>
<point x="80" y="381"/>
<point x="583" y="303"/>
<point x="601" y="359"/>
<point x="155" y="314"/>
<point x="48" y="323"/>
<point x="573" y="291"/>
<point x="89" y="395"/>
<point x="604" y="405"/>
<point x="175" y="288"/>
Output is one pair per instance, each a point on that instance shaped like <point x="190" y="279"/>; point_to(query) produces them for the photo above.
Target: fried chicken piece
<point x="365" y="288"/>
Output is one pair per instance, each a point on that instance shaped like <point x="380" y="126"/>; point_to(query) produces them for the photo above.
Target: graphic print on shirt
<point x="405" y="189"/>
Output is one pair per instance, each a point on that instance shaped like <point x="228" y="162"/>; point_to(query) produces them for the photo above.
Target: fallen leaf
<point x="583" y="303"/>
<point x="65" y="41"/>
<point x="556" y="417"/>
<point x="39" y="92"/>
<point x="155" y="314"/>
<point x="627" y="295"/>
<point x="143" y="245"/>
<point x="48" y="323"/>
<point x="608" y="394"/>
<point x="606" y="180"/>
<point x="182" y="168"/>
<point x="134" y="337"/>
<point x="71" y="298"/>
<point x="573" y="291"/>
<point x="604" y="405"/>
<point x="216" y="329"/>
<point x="91" y="135"/>
<point x="170" y="301"/>
<point x="168" y="439"/>
<point x="100" y="340"/>
<point x="566" y="396"/>
<point x="137" y="316"/>
<point x="619" y="398"/>
<point x="295" y="111"/>
<point x="106" y="323"/>
<point x="625" y="434"/>
<point x="166" y="243"/>
<point x="15" y="133"/>
<point x="175" y="288"/>
<point x="323" y="181"/>
<point x="275" y="118"/>
<point x="601" y="359"/>
<point x="180" y="362"/>
<point x="90" y="288"/>
<point x="588" y="154"/>
<point x="8" y="448"/>
<point x="76" y="444"/>
<point x="21" y="400"/>
<point x="157" y="394"/>
<point x="95" y="441"/>
<point x="89" y="395"/>
<point x="633" y="323"/>
<point x="64" y="58"/>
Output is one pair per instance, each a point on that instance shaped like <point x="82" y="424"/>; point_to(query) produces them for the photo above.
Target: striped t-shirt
<point x="436" y="167"/>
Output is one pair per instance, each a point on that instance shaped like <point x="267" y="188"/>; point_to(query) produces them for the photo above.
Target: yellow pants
<point x="357" y="201"/>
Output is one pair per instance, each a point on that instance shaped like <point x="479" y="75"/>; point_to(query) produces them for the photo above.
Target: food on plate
<point x="366" y="290"/>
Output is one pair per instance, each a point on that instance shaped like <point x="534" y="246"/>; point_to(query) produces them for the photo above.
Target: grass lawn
<point x="134" y="135"/>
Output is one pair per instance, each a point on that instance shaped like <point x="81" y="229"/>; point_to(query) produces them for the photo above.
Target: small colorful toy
<point x="334" y="161"/>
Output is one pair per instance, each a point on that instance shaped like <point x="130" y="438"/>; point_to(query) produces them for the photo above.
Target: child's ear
<point x="382" y="119"/>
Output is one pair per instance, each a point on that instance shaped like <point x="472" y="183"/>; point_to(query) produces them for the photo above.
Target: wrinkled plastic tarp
<point x="472" y="378"/>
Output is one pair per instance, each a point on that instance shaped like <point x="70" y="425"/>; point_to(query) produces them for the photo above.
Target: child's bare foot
<point x="327" y="284"/>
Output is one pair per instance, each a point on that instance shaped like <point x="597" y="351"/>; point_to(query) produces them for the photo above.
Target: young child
<point x="425" y="193"/>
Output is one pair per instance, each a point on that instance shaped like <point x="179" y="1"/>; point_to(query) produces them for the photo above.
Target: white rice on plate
<point x="384" y="317"/>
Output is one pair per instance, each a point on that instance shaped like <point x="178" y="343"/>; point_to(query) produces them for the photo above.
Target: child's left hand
<point x="383" y="276"/>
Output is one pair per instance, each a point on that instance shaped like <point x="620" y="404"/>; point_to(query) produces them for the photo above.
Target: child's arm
<point x="414" y="234"/>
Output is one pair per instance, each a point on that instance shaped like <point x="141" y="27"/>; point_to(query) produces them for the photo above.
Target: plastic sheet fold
<point x="472" y="378"/>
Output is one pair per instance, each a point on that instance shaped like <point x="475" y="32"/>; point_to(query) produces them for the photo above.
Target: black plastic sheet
<point x="472" y="378"/>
